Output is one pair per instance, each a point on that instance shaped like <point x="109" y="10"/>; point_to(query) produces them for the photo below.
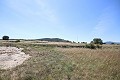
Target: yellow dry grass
<point x="55" y="63"/>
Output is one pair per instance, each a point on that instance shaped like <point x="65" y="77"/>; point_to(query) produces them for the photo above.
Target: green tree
<point x="97" y="41"/>
<point x="5" y="37"/>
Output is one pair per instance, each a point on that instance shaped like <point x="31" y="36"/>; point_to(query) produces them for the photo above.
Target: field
<point x="50" y="62"/>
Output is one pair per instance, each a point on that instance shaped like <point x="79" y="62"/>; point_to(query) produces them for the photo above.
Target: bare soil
<point x="11" y="57"/>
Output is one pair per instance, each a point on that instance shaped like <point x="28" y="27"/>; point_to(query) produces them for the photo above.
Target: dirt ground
<point x="11" y="57"/>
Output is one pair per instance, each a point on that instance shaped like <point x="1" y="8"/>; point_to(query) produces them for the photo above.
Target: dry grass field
<point x="58" y="63"/>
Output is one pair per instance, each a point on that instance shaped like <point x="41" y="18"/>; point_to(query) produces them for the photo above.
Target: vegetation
<point x="58" y="63"/>
<point x="5" y="37"/>
<point x="91" y="46"/>
<point x="97" y="41"/>
<point x="84" y="42"/>
<point x="17" y="40"/>
<point x="54" y="40"/>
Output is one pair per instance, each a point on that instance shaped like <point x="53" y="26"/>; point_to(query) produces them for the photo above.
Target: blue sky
<point x="75" y="20"/>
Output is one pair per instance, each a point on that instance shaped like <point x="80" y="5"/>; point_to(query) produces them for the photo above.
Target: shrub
<point x="98" y="46"/>
<point x="17" y="41"/>
<point x="91" y="46"/>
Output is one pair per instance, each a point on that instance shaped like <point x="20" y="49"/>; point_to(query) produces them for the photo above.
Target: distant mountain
<point x="53" y="40"/>
<point x="110" y="42"/>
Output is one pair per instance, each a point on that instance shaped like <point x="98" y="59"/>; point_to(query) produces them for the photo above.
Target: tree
<point x="5" y="37"/>
<point x="97" y="41"/>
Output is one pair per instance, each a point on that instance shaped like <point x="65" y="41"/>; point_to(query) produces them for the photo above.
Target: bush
<point x="98" y="46"/>
<point x="91" y="46"/>
<point x="17" y="41"/>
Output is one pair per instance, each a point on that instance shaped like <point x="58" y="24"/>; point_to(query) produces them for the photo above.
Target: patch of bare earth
<point x="11" y="57"/>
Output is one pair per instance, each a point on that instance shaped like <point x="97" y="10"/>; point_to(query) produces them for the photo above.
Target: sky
<point x="74" y="20"/>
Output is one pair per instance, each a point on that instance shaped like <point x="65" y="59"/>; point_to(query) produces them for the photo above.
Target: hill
<point x="53" y="40"/>
<point x="110" y="42"/>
